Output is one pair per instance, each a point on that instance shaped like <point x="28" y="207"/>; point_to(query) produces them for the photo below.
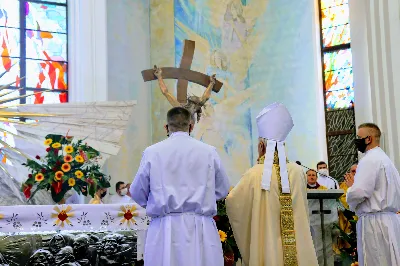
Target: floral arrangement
<point x="230" y="249"/>
<point x="348" y="252"/>
<point x="66" y="165"/>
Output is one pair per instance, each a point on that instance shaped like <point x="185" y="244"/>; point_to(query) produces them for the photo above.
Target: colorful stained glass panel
<point x="9" y="38"/>
<point x="340" y="99"/>
<point x="337" y="60"/>
<point x="12" y="66"/>
<point x="335" y="16"/>
<point x="46" y="45"/>
<point x="53" y="1"/>
<point x="9" y="13"/>
<point x="46" y="97"/>
<point x="336" y="35"/>
<point x="339" y="80"/>
<point x="331" y="3"/>
<point x="46" y="74"/>
<point x="46" y="17"/>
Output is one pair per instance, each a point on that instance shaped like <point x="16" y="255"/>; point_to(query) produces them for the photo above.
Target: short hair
<point x="118" y="184"/>
<point x="321" y="163"/>
<point x="178" y="119"/>
<point x="374" y="128"/>
<point x="312" y="171"/>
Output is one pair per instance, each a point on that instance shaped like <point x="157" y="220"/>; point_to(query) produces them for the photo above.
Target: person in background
<point x="312" y="180"/>
<point x="122" y="194"/>
<point x="324" y="179"/>
<point x="75" y="198"/>
<point x="98" y="196"/>
<point x="374" y="194"/>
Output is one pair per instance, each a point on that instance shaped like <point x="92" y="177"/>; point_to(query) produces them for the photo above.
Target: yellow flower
<point x="222" y="235"/>
<point x="39" y="177"/>
<point x="47" y="142"/>
<point x="79" y="174"/>
<point x="69" y="149"/>
<point x="355" y="218"/>
<point x="56" y="145"/>
<point x="354" y="264"/>
<point x="66" y="167"/>
<point x="59" y="175"/>
<point x="71" y="182"/>
<point x="79" y="159"/>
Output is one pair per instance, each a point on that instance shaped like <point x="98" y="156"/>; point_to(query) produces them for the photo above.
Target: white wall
<point x="375" y="34"/>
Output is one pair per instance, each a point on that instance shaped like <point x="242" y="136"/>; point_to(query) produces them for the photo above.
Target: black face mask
<point x="103" y="194"/>
<point x="361" y="145"/>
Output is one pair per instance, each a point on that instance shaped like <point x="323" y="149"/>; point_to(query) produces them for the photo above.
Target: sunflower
<point x="66" y="167"/>
<point x="79" y="174"/>
<point x="47" y="142"/>
<point x="79" y="159"/>
<point x="68" y="158"/>
<point x="69" y="149"/>
<point x="39" y="177"/>
<point x="222" y="235"/>
<point x="56" y="145"/>
<point x="71" y="182"/>
<point x="59" y="175"/>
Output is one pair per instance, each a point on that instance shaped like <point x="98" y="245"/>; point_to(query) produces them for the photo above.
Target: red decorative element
<point x="128" y="215"/>
<point x="30" y="175"/>
<point x="62" y="216"/>
<point x="43" y="171"/>
<point x="38" y="98"/>
<point x="48" y="149"/>
<point x="229" y="258"/>
<point x="55" y="152"/>
<point x="63" y="97"/>
<point x="57" y="187"/>
<point x="216" y="218"/>
<point x="27" y="191"/>
<point x="17" y="81"/>
<point x="90" y="181"/>
<point x="58" y="163"/>
<point x="37" y="157"/>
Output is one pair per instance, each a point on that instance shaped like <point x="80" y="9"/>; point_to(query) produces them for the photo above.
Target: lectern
<point x="322" y="195"/>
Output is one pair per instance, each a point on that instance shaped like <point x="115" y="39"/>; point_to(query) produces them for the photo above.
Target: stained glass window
<point x="336" y="53"/>
<point x="33" y="36"/>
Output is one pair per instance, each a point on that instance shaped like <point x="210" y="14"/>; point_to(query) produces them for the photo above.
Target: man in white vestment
<point x="374" y="194"/>
<point x="268" y="208"/>
<point x="178" y="182"/>
<point x="323" y="177"/>
<point x="121" y="196"/>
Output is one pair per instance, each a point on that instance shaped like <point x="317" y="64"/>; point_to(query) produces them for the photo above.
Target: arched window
<point x="338" y="85"/>
<point x="33" y="37"/>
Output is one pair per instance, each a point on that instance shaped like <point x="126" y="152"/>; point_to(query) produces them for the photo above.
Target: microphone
<point x="299" y="163"/>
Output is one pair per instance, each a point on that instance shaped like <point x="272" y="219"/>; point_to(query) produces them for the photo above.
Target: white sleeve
<point x="222" y="184"/>
<point x="364" y="183"/>
<point x="140" y="187"/>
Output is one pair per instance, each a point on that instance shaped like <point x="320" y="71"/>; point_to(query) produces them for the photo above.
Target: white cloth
<point x="75" y="198"/>
<point x="274" y="123"/>
<point x="375" y="197"/>
<point x="178" y="182"/>
<point x="328" y="182"/>
<point x="114" y="199"/>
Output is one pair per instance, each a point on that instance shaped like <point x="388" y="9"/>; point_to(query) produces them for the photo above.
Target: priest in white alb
<point x="268" y="208"/>
<point x="178" y="182"/>
<point x="374" y="194"/>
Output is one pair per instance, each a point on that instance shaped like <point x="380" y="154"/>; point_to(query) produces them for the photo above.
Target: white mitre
<point x="274" y="124"/>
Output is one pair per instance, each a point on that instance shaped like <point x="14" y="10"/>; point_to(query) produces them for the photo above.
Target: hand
<point x="349" y="179"/>
<point x="157" y="71"/>
<point x="213" y="79"/>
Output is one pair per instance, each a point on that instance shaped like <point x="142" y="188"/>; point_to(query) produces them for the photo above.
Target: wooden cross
<point x="183" y="74"/>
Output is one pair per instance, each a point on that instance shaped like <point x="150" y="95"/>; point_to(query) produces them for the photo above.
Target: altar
<point x="106" y="234"/>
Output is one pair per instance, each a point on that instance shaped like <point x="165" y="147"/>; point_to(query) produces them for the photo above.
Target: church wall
<point x="263" y="51"/>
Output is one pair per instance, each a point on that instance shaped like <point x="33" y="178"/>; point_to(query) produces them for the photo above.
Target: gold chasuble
<point x="272" y="228"/>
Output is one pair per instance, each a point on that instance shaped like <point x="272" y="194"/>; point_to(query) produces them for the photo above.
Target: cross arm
<point x="180" y="73"/>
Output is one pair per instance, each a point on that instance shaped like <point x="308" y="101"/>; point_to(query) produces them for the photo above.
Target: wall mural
<point x="262" y="51"/>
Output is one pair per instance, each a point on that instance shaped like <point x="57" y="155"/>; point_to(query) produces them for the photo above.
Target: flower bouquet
<point x="230" y="249"/>
<point x="67" y="165"/>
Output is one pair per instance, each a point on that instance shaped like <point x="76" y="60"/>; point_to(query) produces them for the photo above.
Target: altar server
<point x="374" y="194"/>
<point x="178" y="182"/>
<point x="268" y="209"/>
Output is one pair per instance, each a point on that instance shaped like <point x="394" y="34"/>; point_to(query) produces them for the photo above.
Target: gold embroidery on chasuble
<point x="287" y="220"/>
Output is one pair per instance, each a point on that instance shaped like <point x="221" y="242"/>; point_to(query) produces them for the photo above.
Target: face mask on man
<point x="123" y="191"/>
<point x="361" y="145"/>
<point x="103" y="194"/>
<point x="323" y="172"/>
